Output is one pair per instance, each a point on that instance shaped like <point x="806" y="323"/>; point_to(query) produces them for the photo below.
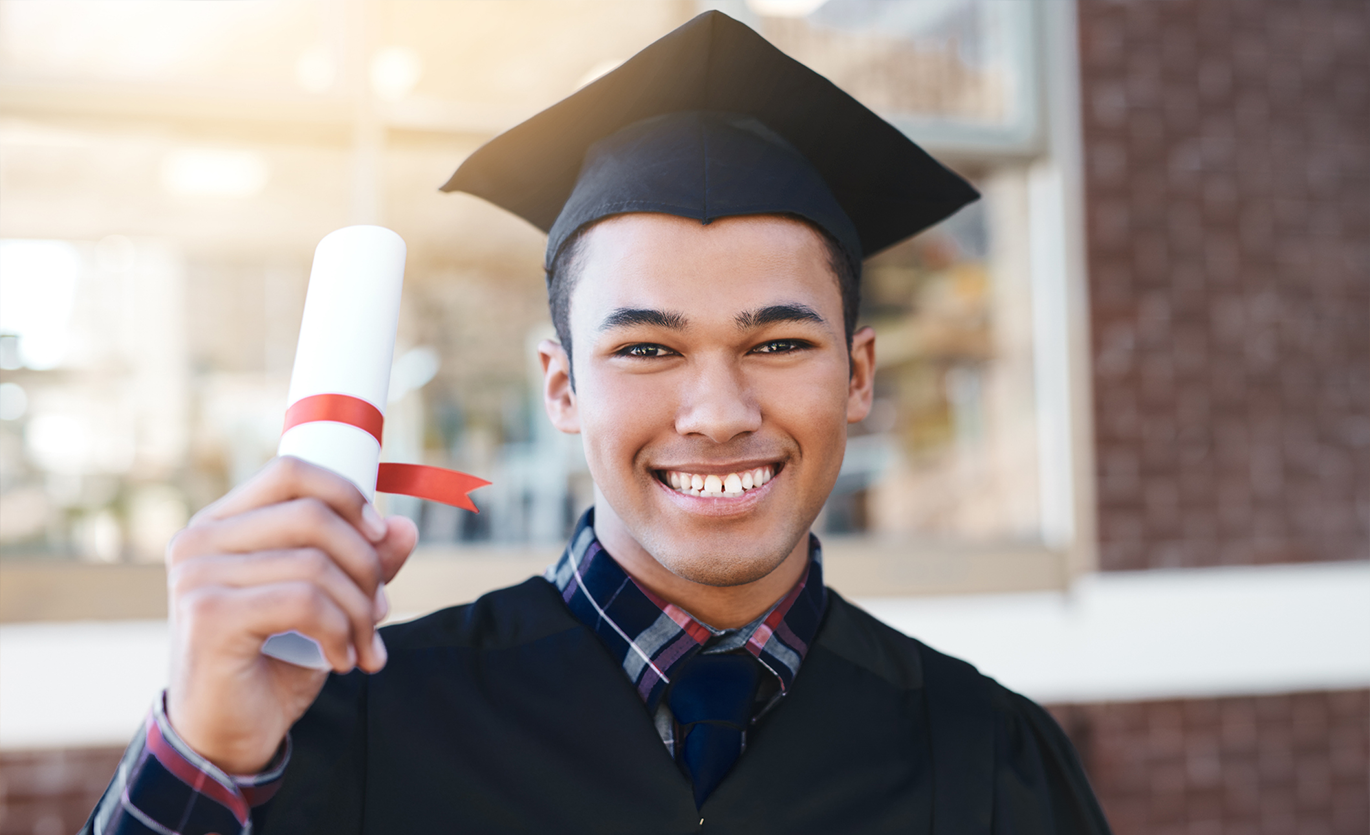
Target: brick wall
<point x="1227" y="190"/>
<point x="1227" y="174"/>
<point x="1265" y="765"/>
<point x="52" y="792"/>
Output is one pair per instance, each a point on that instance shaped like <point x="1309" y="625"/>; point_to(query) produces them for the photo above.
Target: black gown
<point x="507" y="715"/>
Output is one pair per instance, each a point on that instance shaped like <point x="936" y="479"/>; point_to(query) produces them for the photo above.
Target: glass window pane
<point x="949" y="449"/>
<point x="172" y="246"/>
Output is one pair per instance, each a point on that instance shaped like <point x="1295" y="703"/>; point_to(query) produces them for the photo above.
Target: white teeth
<point x="713" y="486"/>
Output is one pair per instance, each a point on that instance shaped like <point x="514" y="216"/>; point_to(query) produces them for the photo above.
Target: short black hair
<point x="566" y="269"/>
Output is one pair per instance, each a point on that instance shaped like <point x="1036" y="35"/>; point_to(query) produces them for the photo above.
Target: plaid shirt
<point x="164" y="787"/>
<point x="652" y="638"/>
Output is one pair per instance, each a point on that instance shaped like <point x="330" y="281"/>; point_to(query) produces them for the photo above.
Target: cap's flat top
<point x="888" y="186"/>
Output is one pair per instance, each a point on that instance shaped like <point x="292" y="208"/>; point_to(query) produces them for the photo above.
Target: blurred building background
<point x="1120" y="455"/>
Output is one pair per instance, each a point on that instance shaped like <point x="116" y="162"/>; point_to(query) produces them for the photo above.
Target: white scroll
<point x="347" y="344"/>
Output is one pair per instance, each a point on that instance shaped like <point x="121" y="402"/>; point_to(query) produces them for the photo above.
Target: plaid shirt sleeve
<point x="164" y="787"/>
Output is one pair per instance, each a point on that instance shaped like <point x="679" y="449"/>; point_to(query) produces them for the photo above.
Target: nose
<point x="717" y="403"/>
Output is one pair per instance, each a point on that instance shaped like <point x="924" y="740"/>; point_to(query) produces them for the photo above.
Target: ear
<point x="861" y="386"/>
<point x="558" y="398"/>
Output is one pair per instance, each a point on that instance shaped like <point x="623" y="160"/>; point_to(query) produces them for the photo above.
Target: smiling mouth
<point x="728" y="485"/>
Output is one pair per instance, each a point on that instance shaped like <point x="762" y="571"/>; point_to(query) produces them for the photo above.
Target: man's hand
<point x="295" y="548"/>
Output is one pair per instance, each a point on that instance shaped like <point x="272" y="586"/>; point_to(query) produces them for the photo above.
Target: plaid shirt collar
<point x="653" y="638"/>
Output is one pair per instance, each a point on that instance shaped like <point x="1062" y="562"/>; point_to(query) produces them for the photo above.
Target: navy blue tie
<point x="711" y="698"/>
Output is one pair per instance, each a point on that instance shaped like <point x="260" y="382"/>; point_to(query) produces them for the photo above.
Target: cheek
<point x="624" y="413"/>
<point x="809" y="404"/>
<point x="815" y="386"/>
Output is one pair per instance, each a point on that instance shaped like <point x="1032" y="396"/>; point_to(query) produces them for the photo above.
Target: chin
<point x="722" y="569"/>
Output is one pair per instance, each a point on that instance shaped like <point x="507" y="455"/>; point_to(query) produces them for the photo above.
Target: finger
<point x="400" y="538"/>
<point x="308" y="565"/>
<point x="299" y="523"/>
<point x="239" y="620"/>
<point x="285" y="478"/>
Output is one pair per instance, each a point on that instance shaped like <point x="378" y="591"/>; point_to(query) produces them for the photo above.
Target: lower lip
<point x="717" y="506"/>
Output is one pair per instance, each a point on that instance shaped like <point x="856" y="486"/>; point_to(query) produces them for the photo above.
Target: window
<point x="165" y="187"/>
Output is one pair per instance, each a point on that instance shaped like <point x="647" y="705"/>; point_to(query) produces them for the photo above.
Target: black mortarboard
<point x="713" y="121"/>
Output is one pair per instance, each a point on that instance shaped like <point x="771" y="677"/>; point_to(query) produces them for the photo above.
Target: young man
<point x="682" y="667"/>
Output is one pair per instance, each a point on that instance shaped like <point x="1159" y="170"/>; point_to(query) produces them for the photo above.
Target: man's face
<point x="710" y="357"/>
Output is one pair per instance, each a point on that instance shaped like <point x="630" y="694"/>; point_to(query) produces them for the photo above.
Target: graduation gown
<point x="508" y="715"/>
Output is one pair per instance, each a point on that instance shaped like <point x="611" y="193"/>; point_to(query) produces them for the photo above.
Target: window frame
<point x="1046" y="142"/>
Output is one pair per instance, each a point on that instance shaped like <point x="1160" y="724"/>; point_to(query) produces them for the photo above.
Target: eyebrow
<point x="777" y="313"/>
<point x="626" y="317"/>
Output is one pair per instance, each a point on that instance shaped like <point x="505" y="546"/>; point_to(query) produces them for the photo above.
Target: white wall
<point x="1125" y="636"/>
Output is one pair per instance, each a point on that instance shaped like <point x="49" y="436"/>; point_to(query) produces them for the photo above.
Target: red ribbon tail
<point x="432" y="483"/>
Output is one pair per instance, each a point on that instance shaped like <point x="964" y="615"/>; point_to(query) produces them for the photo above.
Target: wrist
<point x="234" y="755"/>
<point x="244" y="762"/>
<point x="183" y="770"/>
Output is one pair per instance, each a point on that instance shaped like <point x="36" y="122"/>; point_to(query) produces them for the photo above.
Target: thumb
<point x="401" y="535"/>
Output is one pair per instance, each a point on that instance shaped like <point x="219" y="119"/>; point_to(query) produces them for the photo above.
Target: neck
<point x="722" y="607"/>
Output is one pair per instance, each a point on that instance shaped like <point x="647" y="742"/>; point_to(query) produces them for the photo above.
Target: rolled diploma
<point x="347" y="344"/>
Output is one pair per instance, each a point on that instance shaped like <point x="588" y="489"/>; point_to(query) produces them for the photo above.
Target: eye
<point x="645" y="350"/>
<point x="781" y="346"/>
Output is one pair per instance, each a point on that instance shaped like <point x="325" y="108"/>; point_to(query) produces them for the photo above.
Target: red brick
<point x="1227" y="163"/>
<point x="1288" y="764"/>
<point x="52" y="791"/>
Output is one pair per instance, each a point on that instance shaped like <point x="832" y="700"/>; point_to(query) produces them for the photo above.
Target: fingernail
<point x="382" y="605"/>
<point x="378" y="647"/>
<point x="352" y="656"/>
<point x="372" y="523"/>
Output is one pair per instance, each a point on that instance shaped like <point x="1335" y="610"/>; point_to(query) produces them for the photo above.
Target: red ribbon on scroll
<point x="432" y="483"/>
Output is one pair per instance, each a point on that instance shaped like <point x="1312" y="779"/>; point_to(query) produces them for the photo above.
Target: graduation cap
<point x="713" y="121"/>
